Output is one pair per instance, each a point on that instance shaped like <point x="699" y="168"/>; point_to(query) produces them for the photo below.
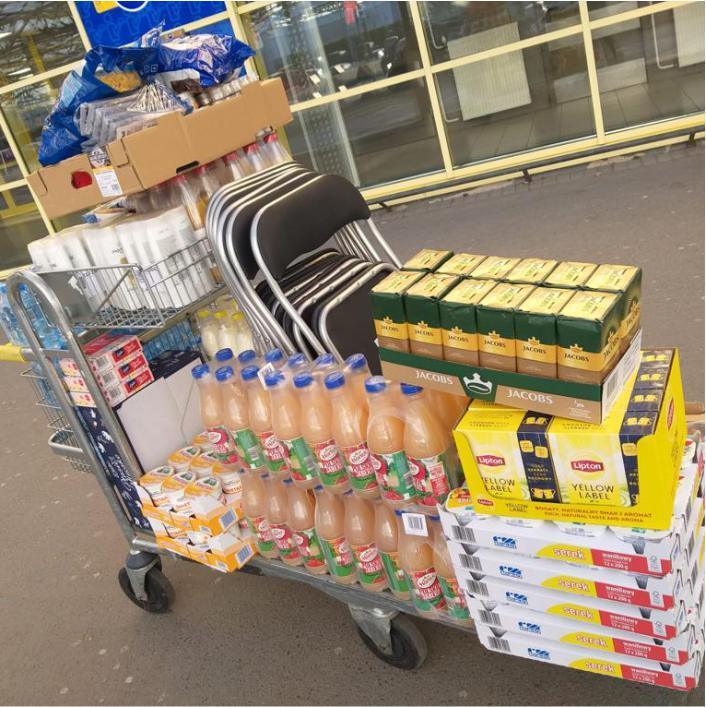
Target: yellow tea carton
<point x="462" y="264"/>
<point x="457" y="310"/>
<point x="626" y="280"/>
<point x="388" y="309"/>
<point x="427" y="260"/>
<point x="535" y="330"/>
<point x="588" y="336"/>
<point x="570" y="274"/>
<point x="496" y="325"/>
<point x="495" y="268"/>
<point x="421" y="302"/>
<point x="533" y="271"/>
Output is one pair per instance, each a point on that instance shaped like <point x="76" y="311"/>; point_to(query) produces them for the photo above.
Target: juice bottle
<point x="322" y="365"/>
<point x="425" y="444"/>
<point x="417" y="561"/>
<point x="212" y="413"/>
<point x="275" y="357"/>
<point x="277" y="517"/>
<point x="286" y="424"/>
<point x="349" y="424"/>
<point x="224" y="357"/>
<point x="386" y="443"/>
<point x="208" y="329"/>
<point x="357" y="372"/>
<point x="359" y="530"/>
<point x="301" y="510"/>
<point x="387" y="532"/>
<point x="316" y="428"/>
<point x="329" y="524"/>
<point x="235" y="416"/>
<point x="246" y="358"/>
<point x="453" y="593"/>
<point x="261" y="422"/>
<point x="254" y="504"/>
<point x="297" y="363"/>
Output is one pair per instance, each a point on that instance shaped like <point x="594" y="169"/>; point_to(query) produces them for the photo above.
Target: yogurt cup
<point x="182" y="458"/>
<point x="204" y="441"/>
<point x="209" y="486"/>
<point x="204" y="464"/>
<point x="197" y="538"/>
<point x="152" y="482"/>
<point x="632" y="535"/>
<point x="174" y="532"/>
<point x="174" y="488"/>
<point x="584" y="530"/>
<point x="230" y="479"/>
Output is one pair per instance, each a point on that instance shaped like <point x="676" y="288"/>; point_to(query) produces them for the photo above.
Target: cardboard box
<point x="173" y="144"/>
<point x="127" y="368"/>
<point x="387" y="301"/>
<point x="606" y="475"/>
<point x="532" y="271"/>
<point x="570" y="274"/>
<point x="123" y="389"/>
<point x="682" y="677"/>
<point x="495" y="267"/>
<point x="578" y="401"/>
<point x="109" y="350"/>
<point x="461" y="264"/>
<point x="427" y="260"/>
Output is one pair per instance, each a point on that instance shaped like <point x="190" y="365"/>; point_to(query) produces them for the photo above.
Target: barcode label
<point x="470" y="562"/>
<point x="227" y="519"/>
<point x="415" y="524"/>
<point x="499" y="644"/>
<point x="463" y="534"/>
<point x="477" y="588"/>
<point x="265" y="370"/>
<point x="694" y="574"/>
<point x="244" y="554"/>
<point x="108" y="379"/>
<point x="690" y="548"/>
<point x="490" y="618"/>
<point x="610" y="386"/>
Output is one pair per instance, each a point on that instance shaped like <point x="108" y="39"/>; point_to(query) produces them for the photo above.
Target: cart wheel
<point x="409" y="648"/>
<point x="160" y="593"/>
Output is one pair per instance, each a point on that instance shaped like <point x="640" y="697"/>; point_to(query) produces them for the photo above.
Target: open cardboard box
<point x="173" y="144"/>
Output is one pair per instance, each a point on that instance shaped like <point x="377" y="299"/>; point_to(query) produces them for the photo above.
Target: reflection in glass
<point x="370" y="139"/>
<point x="456" y="29"/>
<point x="599" y="10"/>
<point x="319" y="48"/>
<point x="36" y="37"/>
<point x="20" y="223"/>
<point x="651" y="68"/>
<point x="517" y="101"/>
<point x="9" y="169"/>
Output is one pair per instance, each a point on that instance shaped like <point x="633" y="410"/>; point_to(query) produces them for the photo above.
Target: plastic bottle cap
<point x="179" y="179"/>
<point x="296" y="360"/>
<point x="201" y="169"/>
<point x="247" y="355"/>
<point x="224" y="354"/>
<point x="375" y="384"/>
<point x="302" y="380"/>
<point x="334" y="380"/>
<point x="249" y="372"/>
<point x="408" y="389"/>
<point x="224" y="373"/>
<point x="273" y="378"/>
<point x="286" y="481"/>
<point x="434" y="517"/>
<point x="274" y="355"/>
<point x="219" y="315"/>
<point x="356" y="360"/>
<point x="324" y="360"/>
<point x="199" y="372"/>
<point x="398" y="512"/>
<point x="237" y="316"/>
<point x="203" y="314"/>
<point x="318" y="487"/>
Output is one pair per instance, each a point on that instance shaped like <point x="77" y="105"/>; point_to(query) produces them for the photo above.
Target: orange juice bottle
<point x="387" y="532"/>
<point x="235" y="416"/>
<point x="329" y="523"/>
<point x="417" y="561"/>
<point x="247" y="358"/>
<point x="453" y="594"/>
<point x="254" y="504"/>
<point x="315" y="425"/>
<point x="425" y="444"/>
<point x="212" y="413"/>
<point x="359" y="530"/>
<point x="300" y="514"/>
<point x="349" y="424"/>
<point x="275" y="357"/>
<point x="386" y="443"/>
<point x="286" y="424"/>
<point x="297" y="363"/>
<point x="357" y="372"/>
<point x="261" y="422"/>
<point x="277" y="517"/>
<point x="323" y="365"/>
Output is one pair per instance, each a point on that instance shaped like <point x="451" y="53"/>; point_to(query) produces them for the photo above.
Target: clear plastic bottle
<point x="205" y="183"/>
<point x="275" y="357"/>
<point x="297" y="363"/>
<point x="349" y="424"/>
<point x="277" y="518"/>
<point x="243" y="333"/>
<point x="453" y="593"/>
<point x="386" y="442"/>
<point x="359" y="530"/>
<point x="322" y="365"/>
<point x="256" y="160"/>
<point x="315" y="425"/>
<point x="224" y="357"/>
<point x="231" y="163"/>
<point x="301" y="515"/>
<point x="247" y="358"/>
<point x="329" y="523"/>
<point x="227" y="334"/>
<point x="254" y="504"/>
<point x="387" y="531"/>
<point x="212" y="416"/>
<point x="276" y="154"/>
<point x="286" y="424"/>
<point x="261" y="422"/>
<point x="208" y="330"/>
<point x="160" y="196"/>
<point x="186" y="195"/>
<point x="357" y="372"/>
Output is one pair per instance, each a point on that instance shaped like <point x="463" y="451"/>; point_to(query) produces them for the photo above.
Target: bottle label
<point x="220" y="439"/>
<point x="284" y="540"/>
<point x="394" y="476"/>
<point x="302" y="463"/>
<point x="339" y="556"/>
<point x="455" y="601"/>
<point x="395" y="574"/>
<point x="426" y="590"/>
<point x="332" y="471"/>
<point x="272" y="449"/>
<point x="368" y="562"/>
<point x="431" y="478"/>
<point x="309" y="548"/>
<point x="260" y="528"/>
<point x="360" y="467"/>
<point x="248" y="446"/>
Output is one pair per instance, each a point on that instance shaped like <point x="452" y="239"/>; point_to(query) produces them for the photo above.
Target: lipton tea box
<point x="388" y="309"/>
<point x="461" y="264"/>
<point x="427" y="260"/>
<point x="532" y="271"/>
<point x="495" y="267"/>
<point x="570" y="274"/>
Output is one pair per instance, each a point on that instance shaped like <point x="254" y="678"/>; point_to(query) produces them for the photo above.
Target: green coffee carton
<point x="388" y="309"/>
<point x="570" y="274"/>
<point x="461" y="264"/>
<point x="494" y="268"/>
<point x="427" y="260"/>
<point x="532" y="271"/>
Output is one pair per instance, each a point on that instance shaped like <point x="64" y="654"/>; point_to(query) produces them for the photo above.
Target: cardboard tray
<point x="174" y="144"/>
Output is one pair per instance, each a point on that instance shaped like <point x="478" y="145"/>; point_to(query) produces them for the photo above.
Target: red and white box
<point x="127" y="368"/>
<point x="125" y="388"/>
<point x="109" y="350"/>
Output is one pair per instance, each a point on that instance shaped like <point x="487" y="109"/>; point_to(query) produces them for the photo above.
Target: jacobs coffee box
<point x="461" y="264"/>
<point x="495" y="268"/>
<point x="457" y="311"/>
<point x="427" y="260"/>
<point x="388" y="309"/>
<point x="532" y="271"/>
<point x="570" y="274"/>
